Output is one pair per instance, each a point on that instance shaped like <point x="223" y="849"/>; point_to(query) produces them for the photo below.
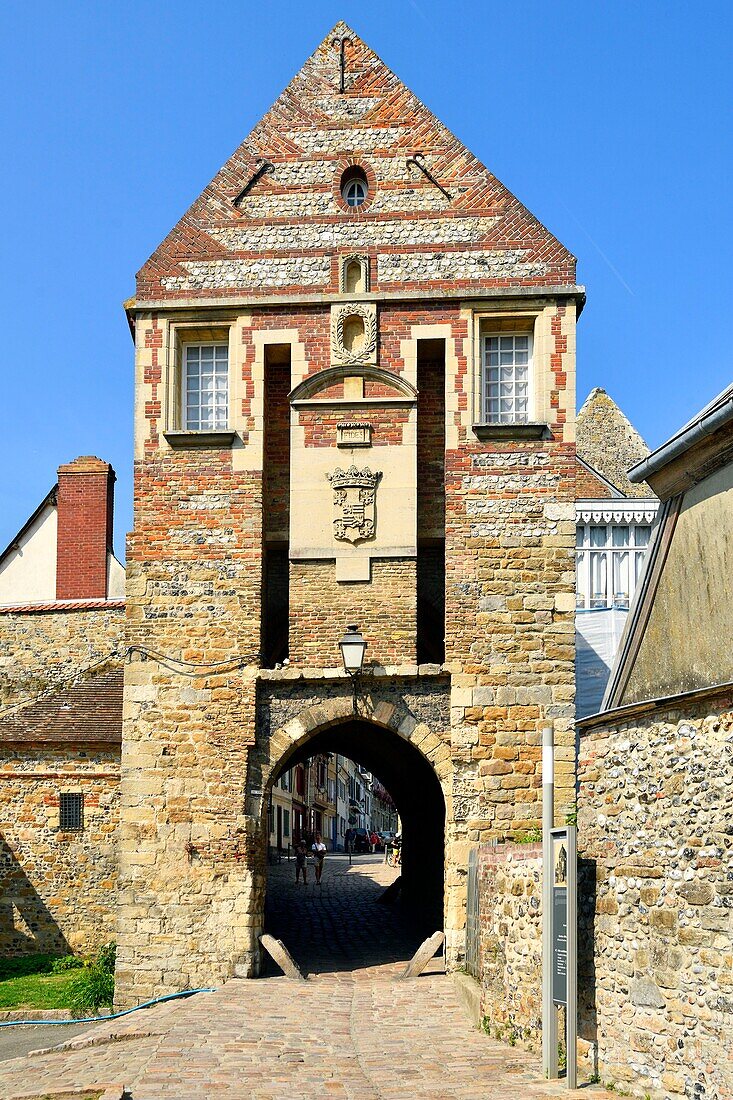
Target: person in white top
<point x="319" y="853"/>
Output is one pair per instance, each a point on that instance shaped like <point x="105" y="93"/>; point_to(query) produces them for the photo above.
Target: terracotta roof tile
<point x="63" y="605"/>
<point x="84" y="711"/>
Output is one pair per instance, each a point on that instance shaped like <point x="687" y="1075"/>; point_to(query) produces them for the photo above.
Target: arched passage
<point x="416" y="790"/>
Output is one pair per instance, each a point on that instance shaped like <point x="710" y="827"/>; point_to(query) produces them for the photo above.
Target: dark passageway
<point x="345" y="923"/>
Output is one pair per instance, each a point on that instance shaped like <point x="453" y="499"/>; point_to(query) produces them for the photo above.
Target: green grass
<point x="28" y="983"/>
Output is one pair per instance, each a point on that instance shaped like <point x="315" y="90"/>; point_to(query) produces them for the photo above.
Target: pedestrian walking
<point x="300" y="856"/>
<point x="319" y="854"/>
<point x="373" y="841"/>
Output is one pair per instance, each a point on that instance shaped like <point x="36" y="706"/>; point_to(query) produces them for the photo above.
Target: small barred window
<point x="71" y="811"/>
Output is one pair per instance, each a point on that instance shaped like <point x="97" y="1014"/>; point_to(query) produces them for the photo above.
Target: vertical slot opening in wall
<point x="276" y="505"/>
<point x="431" y="501"/>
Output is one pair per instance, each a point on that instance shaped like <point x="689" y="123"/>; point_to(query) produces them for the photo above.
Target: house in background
<point x="64" y="550"/>
<point x="613" y="524"/>
<point x="62" y="613"/>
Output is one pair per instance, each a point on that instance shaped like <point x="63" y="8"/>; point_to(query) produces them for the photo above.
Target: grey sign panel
<point x="560" y="945"/>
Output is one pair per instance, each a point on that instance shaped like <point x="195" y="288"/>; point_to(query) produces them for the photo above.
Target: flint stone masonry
<point x="366" y="234"/>
<point x="655" y="817"/>
<point x="510" y="919"/>
<point x="58" y="888"/>
<point x="309" y="127"/>
<point x="610" y="444"/>
<point x="407" y="267"/>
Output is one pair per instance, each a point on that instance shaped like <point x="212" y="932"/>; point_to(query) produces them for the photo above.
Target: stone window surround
<point x="179" y="334"/>
<point x="345" y="262"/>
<point x="494" y="321"/>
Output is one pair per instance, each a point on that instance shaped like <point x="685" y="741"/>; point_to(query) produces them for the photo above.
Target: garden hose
<point x="113" y="1015"/>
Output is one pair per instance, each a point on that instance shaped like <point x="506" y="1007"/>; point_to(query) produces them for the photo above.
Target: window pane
<point x="598" y="536"/>
<point x="598" y="579"/>
<point x="621" y="580"/>
<point x="642" y="534"/>
<point x="206" y="386"/>
<point x="580" y="598"/>
<point x="506" y="362"/>
<point x="620" y="536"/>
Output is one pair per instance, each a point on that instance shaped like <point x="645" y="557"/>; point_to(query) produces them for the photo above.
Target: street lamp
<point x="352" y="647"/>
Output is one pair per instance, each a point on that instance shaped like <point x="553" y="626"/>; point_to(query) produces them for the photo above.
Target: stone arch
<point x="285" y="740"/>
<point x="417" y="757"/>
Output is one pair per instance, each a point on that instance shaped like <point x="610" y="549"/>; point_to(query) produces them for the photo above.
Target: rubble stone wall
<point x="42" y="649"/>
<point x="510" y="920"/>
<point x="655" y="817"/>
<point x="58" y="889"/>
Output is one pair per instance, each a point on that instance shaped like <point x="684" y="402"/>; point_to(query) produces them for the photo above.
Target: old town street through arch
<point x="347" y="924"/>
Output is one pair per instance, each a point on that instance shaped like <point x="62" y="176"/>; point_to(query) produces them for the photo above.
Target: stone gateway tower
<point x="354" y="403"/>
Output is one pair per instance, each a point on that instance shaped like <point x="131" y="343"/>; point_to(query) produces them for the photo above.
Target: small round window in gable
<point x="354" y="187"/>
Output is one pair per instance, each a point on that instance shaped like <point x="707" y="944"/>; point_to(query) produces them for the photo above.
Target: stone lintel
<point x="393" y="672"/>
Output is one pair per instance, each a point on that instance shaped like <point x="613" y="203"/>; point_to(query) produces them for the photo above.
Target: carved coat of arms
<point x="354" y="500"/>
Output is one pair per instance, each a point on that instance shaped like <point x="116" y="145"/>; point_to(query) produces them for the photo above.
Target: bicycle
<point x="394" y="856"/>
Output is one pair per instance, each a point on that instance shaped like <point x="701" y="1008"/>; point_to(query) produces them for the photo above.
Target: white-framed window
<point x="205" y="389"/>
<point x="285" y="782"/>
<point x="506" y="359"/>
<point x="609" y="562"/>
<point x="355" y="191"/>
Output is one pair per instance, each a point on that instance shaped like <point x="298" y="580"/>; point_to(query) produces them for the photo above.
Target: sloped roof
<point x="88" y="710"/>
<point x="272" y="218"/>
<point x="48" y="501"/>
<point x="608" y="442"/>
<point x="704" y="444"/>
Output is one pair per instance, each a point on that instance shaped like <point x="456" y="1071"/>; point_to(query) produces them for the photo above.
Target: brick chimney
<point x="85" y="504"/>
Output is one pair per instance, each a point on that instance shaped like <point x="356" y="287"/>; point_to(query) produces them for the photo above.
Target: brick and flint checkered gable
<point x="285" y="235"/>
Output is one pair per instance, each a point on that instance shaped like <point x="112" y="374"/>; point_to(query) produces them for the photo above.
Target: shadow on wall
<point x="26" y="925"/>
<point x="587" y="1018"/>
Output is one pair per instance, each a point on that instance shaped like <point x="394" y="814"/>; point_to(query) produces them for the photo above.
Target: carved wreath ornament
<point x="354" y="501"/>
<point x="345" y="346"/>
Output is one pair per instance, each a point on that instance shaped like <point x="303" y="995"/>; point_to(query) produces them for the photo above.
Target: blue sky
<point x="610" y="121"/>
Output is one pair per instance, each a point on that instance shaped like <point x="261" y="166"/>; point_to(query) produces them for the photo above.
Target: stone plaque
<point x="352" y="434"/>
<point x="354" y="333"/>
<point x="354" y="502"/>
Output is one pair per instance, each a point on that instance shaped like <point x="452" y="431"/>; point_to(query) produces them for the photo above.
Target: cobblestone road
<point x="352" y="1032"/>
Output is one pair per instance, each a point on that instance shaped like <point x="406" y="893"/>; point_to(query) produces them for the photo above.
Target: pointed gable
<point x="272" y="221"/>
<point x="609" y="443"/>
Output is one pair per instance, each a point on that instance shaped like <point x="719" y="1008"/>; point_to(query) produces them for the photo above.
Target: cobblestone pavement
<point x="339" y="925"/>
<point x="352" y="1032"/>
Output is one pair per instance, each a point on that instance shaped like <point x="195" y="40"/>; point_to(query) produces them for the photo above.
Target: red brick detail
<point x="85" y="513"/>
<point x="393" y="129"/>
<point x="320" y="425"/>
<point x="590" y="486"/>
<point x="342" y="167"/>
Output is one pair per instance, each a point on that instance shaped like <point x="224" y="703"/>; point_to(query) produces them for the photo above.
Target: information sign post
<point x="559" y="926"/>
<point x="561" y="871"/>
